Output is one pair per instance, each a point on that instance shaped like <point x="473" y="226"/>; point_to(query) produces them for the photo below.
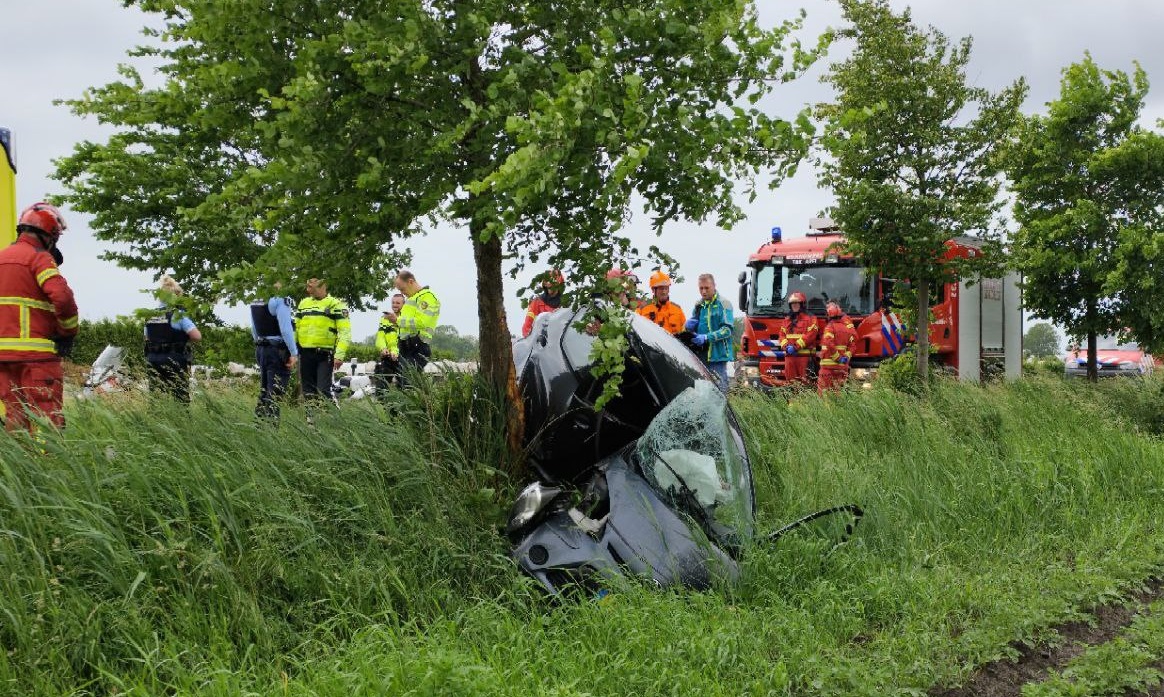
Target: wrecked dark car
<point x="657" y="485"/>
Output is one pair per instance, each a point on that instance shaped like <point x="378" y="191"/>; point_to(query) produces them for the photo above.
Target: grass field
<point x="156" y="550"/>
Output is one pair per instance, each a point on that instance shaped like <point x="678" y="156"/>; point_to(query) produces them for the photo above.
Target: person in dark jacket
<point x="168" y="336"/>
<point x="273" y="329"/>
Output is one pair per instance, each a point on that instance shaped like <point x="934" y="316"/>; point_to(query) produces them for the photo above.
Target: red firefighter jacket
<point x="837" y="341"/>
<point x="800" y="332"/>
<point x="36" y="303"/>
<point x="536" y="307"/>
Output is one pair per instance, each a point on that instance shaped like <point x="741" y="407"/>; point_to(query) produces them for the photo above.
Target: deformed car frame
<point x="656" y="485"/>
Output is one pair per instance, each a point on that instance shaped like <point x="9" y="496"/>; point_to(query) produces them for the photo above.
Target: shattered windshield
<point x="851" y="287"/>
<point x="691" y="453"/>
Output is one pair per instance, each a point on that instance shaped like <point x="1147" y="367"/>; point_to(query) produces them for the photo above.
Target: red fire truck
<point x="975" y="330"/>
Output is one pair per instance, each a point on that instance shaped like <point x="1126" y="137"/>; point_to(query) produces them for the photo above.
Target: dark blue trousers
<point x="274" y="375"/>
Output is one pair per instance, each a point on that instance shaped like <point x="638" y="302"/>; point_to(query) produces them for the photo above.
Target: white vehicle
<point x="356" y="383"/>
<point x="106" y="374"/>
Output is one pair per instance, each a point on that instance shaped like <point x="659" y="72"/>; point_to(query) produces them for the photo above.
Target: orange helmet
<point x="42" y="217"/>
<point x="833" y="310"/>
<point x="660" y="279"/>
<point x="797" y="297"/>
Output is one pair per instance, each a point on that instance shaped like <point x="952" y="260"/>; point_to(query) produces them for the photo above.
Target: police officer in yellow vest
<point x="388" y="344"/>
<point x="323" y="332"/>
<point x="415" y="323"/>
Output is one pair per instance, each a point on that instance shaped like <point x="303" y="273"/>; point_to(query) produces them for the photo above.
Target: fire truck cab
<point x="975" y="330"/>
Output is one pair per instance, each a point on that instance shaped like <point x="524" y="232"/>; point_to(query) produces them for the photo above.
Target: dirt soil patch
<point x="1005" y="678"/>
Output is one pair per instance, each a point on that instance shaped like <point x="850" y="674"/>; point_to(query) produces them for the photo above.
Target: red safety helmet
<point x="660" y="279"/>
<point x="621" y="273"/>
<point x="797" y="297"/>
<point x="833" y="310"/>
<point x="42" y="217"/>
<point x="553" y="278"/>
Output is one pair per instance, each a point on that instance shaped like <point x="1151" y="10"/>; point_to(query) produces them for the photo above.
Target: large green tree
<point x="1041" y="340"/>
<point x="910" y="152"/>
<point x="1086" y="180"/>
<point x="1137" y="282"/>
<point x="294" y="138"/>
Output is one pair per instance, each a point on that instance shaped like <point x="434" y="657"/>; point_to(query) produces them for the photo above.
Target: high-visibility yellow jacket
<point x="324" y="324"/>
<point x="419" y="315"/>
<point x="387" y="337"/>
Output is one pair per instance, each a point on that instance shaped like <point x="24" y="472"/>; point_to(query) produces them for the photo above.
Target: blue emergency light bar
<point x="776" y="234"/>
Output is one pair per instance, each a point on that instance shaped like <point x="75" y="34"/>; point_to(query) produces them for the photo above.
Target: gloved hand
<point x="843" y="360"/>
<point x="790" y="351"/>
<point x="691" y="324"/>
<point x="64" y="346"/>
<point x="699" y="339"/>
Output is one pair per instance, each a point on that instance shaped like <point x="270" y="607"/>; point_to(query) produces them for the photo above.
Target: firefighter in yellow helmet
<point x="323" y="332"/>
<point x="662" y="311"/>
<point x="415" y="323"/>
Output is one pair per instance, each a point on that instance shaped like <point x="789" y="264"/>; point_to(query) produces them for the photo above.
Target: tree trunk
<point x="496" y="359"/>
<point x="1092" y="357"/>
<point x="1092" y="341"/>
<point x="923" y="329"/>
<point x="496" y="349"/>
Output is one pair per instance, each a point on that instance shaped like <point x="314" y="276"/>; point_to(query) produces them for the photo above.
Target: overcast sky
<point x="65" y="46"/>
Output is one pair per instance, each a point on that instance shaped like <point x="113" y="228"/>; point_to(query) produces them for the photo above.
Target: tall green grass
<point x="158" y="550"/>
<point x="150" y="541"/>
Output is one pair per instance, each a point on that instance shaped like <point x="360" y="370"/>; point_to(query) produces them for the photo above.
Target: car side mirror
<point x="743" y="299"/>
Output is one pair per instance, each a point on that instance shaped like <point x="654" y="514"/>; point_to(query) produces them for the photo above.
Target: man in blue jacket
<point x="711" y="323"/>
<point x="273" y="329"/>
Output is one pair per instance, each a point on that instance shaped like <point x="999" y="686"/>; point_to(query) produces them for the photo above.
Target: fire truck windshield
<point x="849" y="286"/>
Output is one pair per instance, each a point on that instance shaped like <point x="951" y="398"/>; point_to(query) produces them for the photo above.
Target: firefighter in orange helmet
<point x="798" y="339"/>
<point x="662" y="311"/>
<point x="38" y="319"/>
<point x="550" y="299"/>
<point x="836" y="349"/>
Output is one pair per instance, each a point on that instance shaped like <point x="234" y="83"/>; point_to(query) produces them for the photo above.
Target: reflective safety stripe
<point x="417" y="321"/>
<point x="27" y="302"/>
<point x="69" y="322"/>
<point x="46" y="275"/>
<point x="27" y="344"/>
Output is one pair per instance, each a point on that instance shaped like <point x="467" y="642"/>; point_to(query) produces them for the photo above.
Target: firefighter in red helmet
<point x="622" y="286"/>
<point x="618" y="288"/>
<point x="836" y="349"/>
<point x="550" y="299"/>
<point x="798" y="339"/>
<point x="38" y="319"/>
